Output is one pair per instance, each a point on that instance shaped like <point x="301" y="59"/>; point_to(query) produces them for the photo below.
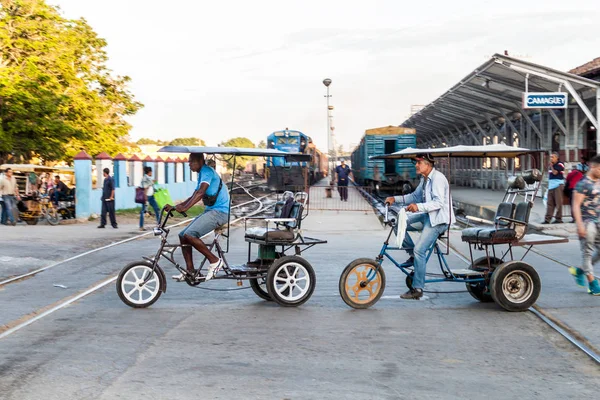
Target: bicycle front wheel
<point x="52" y="216"/>
<point x="362" y="283"/>
<point x="131" y="287"/>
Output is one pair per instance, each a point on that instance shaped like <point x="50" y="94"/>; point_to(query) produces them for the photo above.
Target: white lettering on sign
<point x="545" y="100"/>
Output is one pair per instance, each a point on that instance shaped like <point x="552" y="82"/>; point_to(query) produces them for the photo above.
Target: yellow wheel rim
<point x="357" y="275"/>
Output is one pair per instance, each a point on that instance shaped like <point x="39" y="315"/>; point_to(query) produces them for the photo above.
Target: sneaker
<point x="408" y="263"/>
<point x="412" y="294"/>
<point x="594" y="288"/>
<point x="557" y="221"/>
<point x="142" y="229"/>
<point x="545" y="222"/>
<point x="101" y="226"/>
<point x="579" y="276"/>
<point x="213" y="269"/>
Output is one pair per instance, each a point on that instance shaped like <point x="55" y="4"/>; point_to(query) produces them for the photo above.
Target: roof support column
<point x="512" y="126"/>
<point x="586" y="110"/>
<point x="532" y="125"/>
<point x="558" y="121"/>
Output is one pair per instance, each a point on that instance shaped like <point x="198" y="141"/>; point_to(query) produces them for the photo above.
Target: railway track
<point x="252" y="205"/>
<point x="572" y="336"/>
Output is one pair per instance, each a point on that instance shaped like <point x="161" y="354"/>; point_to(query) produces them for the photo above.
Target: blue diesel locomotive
<point x="282" y="175"/>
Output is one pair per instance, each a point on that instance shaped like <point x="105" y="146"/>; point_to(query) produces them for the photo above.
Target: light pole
<point x="327" y="82"/>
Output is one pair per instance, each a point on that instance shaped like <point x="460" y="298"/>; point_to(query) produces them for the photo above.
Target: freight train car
<point x="389" y="175"/>
<point x="282" y="175"/>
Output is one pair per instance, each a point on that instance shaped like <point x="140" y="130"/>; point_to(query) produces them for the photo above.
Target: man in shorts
<point x="215" y="196"/>
<point x="586" y="212"/>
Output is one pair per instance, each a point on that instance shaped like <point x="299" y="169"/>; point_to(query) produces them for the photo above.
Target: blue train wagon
<point x="388" y="175"/>
<point x="283" y="175"/>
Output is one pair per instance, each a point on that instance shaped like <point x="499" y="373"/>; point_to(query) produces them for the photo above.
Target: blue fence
<point x="175" y="175"/>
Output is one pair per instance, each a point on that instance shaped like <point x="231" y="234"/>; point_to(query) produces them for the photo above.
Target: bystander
<point x="10" y="193"/>
<point x="108" y="200"/>
<point x="586" y="211"/>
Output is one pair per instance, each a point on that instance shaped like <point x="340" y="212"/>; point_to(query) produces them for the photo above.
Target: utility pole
<point x="327" y="82"/>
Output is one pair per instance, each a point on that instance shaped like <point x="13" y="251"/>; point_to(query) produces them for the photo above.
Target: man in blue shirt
<point x="556" y="184"/>
<point x="431" y="208"/>
<point x="343" y="172"/>
<point x="214" y="194"/>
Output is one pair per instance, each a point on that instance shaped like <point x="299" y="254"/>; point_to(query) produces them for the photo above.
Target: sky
<point x="218" y="70"/>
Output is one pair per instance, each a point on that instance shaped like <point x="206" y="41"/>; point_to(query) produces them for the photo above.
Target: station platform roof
<point x="493" y="94"/>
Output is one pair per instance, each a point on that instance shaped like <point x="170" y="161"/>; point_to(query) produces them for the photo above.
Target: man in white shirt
<point x="10" y="191"/>
<point x="431" y="206"/>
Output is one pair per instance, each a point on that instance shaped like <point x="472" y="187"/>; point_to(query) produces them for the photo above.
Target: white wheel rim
<point x="292" y="281"/>
<point x="132" y="285"/>
<point x="517" y="286"/>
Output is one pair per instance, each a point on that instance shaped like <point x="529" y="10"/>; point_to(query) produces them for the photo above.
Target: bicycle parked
<point x="38" y="207"/>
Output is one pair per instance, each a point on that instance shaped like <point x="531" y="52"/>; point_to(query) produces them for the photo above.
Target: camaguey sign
<point x="544" y="100"/>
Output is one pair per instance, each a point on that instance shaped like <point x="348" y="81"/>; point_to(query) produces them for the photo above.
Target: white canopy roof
<point x="235" y="151"/>
<point x="492" y="150"/>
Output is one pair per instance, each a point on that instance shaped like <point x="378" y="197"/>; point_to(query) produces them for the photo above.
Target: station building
<point x="519" y="103"/>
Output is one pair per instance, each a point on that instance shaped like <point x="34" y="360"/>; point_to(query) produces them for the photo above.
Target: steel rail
<point x="37" y="271"/>
<point x="560" y="327"/>
<point x="103" y="283"/>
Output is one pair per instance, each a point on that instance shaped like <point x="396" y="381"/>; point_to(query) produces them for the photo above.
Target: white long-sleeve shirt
<point x="438" y="202"/>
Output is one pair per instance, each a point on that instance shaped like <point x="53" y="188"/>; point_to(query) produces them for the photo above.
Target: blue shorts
<point x="205" y="223"/>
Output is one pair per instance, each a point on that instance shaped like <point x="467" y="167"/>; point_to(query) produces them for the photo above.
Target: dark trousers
<point x="555" y="200"/>
<point x="108" y="207"/>
<point x="343" y="189"/>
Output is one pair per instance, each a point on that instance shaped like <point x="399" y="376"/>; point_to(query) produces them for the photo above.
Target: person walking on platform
<point x="108" y="200"/>
<point x="148" y="186"/>
<point x="586" y="211"/>
<point x="556" y="184"/>
<point x="431" y="208"/>
<point x="343" y="173"/>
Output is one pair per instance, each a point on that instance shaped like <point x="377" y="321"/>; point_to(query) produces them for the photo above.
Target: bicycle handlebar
<point x="163" y="222"/>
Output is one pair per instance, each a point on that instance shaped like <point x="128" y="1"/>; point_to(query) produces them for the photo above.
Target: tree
<point x="241" y="161"/>
<point x="144" y="141"/>
<point x="262" y="144"/>
<point x="57" y="96"/>
<point x="187" y="142"/>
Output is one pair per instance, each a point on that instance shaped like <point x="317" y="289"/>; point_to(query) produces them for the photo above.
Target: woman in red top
<point x="574" y="176"/>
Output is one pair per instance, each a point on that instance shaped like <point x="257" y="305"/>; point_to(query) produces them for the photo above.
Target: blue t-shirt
<point x="210" y="176"/>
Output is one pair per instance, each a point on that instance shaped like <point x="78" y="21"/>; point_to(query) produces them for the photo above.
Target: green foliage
<point x="262" y="144"/>
<point x="187" y="142"/>
<point x="57" y="96"/>
<point x="144" y="141"/>
<point x="240" y="163"/>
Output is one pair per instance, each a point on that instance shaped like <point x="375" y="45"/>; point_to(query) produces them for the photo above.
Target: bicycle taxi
<point x="497" y="276"/>
<point x="273" y="274"/>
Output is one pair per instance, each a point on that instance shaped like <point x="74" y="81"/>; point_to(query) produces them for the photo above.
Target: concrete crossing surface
<point x="226" y="343"/>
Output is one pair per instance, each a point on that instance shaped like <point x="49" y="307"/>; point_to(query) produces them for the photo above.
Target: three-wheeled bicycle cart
<point x="497" y="276"/>
<point x="287" y="279"/>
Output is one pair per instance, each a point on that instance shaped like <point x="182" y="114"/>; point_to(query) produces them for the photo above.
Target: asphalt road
<point x="199" y="344"/>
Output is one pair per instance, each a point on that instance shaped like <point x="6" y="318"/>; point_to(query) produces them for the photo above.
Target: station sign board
<point x="545" y="100"/>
